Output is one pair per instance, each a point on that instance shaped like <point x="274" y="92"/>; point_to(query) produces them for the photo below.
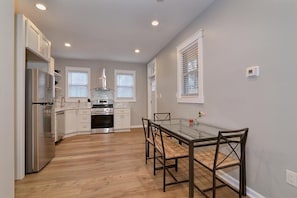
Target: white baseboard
<point x="136" y="126"/>
<point x="235" y="183"/>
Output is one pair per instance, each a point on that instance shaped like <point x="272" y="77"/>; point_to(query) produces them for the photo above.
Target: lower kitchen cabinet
<point x="122" y="119"/>
<point x="84" y="120"/>
<point x="70" y="121"/>
<point x="60" y="125"/>
<point x="77" y="120"/>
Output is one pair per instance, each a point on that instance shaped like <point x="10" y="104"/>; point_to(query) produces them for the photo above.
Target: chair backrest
<point x="146" y="127"/>
<point x="156" y="133"/>
<point x="162" y="116"/>
<point x="232" y="145"/>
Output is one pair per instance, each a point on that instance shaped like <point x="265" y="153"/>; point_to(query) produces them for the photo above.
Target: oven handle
<point x="94" y="113"/>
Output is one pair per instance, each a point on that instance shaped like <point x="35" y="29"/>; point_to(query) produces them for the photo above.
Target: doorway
<point x="151" y="88"/>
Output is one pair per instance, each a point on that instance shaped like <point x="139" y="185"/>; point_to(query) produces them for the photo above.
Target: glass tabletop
<point x="190" y="131"/>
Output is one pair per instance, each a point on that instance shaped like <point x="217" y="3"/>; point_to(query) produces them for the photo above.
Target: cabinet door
<point x="32" y="37"/>
<point x="84" y="126"/>
<point x="121" y="119"/>
<point x="60" y="125"/>
<point x="45" y="48"/>
<point x="84" y="120"/>
<point x="51" y="68"/>
<point x="70" y="121"/>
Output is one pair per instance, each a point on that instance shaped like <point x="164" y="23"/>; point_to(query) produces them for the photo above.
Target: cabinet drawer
<point x="84" y="112"/>
<point x="84" y="118"/>
<point x="121" y="111"/>
<point x="85" y="126"/>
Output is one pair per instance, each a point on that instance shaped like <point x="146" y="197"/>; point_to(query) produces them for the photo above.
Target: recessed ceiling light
<point x="137" y="51"/>
<point x="155" y="23"/>
<point x="67" y="45"/>
<point x="40" y="6"/>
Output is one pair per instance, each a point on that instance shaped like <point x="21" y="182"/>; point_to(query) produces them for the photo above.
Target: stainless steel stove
<point x="102" y="117"/>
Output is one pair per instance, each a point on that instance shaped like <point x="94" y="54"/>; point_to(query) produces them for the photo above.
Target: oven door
<point x="102" y="123"/>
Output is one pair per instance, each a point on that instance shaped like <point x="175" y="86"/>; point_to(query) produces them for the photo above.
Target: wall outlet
<point x="291" y="177"/>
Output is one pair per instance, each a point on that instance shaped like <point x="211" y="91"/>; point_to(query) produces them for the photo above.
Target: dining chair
<point x="162" y="116"/>
<point x="147" y="138"/>
<point x="229" y="152"/>
<point x="168" y="150"/>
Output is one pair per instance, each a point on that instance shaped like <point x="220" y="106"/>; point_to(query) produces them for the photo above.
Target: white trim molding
<point x="235" y="183"/>
<point x="196" y="38"/>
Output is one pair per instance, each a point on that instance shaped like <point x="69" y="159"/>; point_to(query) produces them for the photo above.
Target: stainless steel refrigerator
<point x="39" y="135"/>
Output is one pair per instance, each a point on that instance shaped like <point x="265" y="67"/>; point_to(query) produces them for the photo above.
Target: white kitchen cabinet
<point x="77" y="120"/>
<point x="37" y="42"/>
<point x="84" y="120"/>
<point x="70" y="121"/>
<point x="51" y="68"/>
<point x="122" y="119"/>
<point x="45" y="47"/>
<point x="33" y="36"/>
<point x="60" y="125"/>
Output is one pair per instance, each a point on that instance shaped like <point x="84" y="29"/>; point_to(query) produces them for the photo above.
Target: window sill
<point x="190" y="99"/>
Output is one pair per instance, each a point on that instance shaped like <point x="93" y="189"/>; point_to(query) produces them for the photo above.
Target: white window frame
<point x="117" y="99"/>
<point x="77" y="69"/>
<point x="197" y="37"/>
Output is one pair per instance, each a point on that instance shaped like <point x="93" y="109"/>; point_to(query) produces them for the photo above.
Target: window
<point x="189" y="70"/>
<point x="125" y="90"/>
<point x="77" y="83"/>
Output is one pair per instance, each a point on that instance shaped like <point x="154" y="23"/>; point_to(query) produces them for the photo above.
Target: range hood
<point x="103" y="82"/>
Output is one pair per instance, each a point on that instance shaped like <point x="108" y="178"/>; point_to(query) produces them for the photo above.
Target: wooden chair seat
<point x="172" y="148"/>
<point x="207" y="159"/>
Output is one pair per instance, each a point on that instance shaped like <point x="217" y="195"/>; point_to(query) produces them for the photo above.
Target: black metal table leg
<point x="191" y="169"/>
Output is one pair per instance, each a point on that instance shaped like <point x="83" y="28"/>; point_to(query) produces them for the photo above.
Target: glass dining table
<point x="194" y="135"/>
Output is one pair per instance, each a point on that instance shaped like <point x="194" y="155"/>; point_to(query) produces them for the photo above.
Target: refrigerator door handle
<point x="40" y="103"/>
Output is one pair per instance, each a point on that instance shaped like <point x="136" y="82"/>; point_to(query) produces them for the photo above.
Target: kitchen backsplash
<point x="97" y="94"/>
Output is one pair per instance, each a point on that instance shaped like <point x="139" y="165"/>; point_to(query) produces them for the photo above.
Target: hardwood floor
<point x="105" y="166"/>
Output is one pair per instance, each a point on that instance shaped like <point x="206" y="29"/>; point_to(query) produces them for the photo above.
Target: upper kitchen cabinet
<point x="37" y="42"/>
<point x="45" y="47"/>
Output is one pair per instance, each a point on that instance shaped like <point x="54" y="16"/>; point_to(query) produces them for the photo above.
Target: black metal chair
<point x="162" y="116"/>
<point x="168" y="150"/>
<point x="229" y="152"/>
<point x="147" y="138"/>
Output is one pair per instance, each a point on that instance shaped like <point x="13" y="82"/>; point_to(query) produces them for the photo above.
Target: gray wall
<point x="239" y="34"/>
<point x="138" y="108"/>
<point x="7" y="99"/>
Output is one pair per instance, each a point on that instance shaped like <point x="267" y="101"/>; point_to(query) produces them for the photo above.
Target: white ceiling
<point x="111" y="29"/>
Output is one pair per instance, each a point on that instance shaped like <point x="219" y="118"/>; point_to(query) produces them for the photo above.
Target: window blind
<point x="190" y="70"/>
<point x="77" y="84"/>
<point x="125" y="85"/>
